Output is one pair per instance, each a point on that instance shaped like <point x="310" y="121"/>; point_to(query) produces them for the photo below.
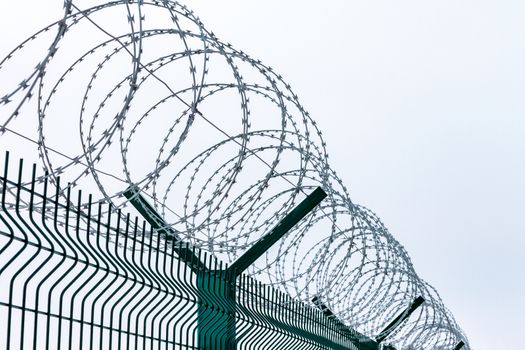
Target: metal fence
<point x="108" y="105"/>
<point x="78" y="276"/>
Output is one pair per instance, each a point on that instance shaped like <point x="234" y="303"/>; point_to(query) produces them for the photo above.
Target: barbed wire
<point x="140" y="93"/>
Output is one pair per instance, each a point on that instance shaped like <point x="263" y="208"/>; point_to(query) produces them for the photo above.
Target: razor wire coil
<point x="140" y="93"/>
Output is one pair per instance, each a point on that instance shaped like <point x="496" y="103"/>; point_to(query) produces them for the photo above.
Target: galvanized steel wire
<point x="140" y="93"/>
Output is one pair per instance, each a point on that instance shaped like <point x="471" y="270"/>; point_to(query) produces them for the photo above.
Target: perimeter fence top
<point x="138" y="104"/>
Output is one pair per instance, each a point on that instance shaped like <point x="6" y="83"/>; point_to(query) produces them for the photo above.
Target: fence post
<point x="460" y="345"/>
<point x="216" y="322"/>
<point x="399" y="319"/>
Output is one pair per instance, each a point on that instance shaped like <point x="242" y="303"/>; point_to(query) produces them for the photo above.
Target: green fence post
<point x="399" y="319"/>
<point x="460" y="345"/>
<point x="217" y="298"/>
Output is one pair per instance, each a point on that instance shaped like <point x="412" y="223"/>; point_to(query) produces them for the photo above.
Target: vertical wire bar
<point x="121" y="261"/>
<point x="15" y="256"/>
<point x="133" y="272"/>
<point x="67" y="272"/>
<point x="37" y="252"/>
<point x="81" y="249"/>
<point x="89" y="251"/>
<point x="460" y="345"/>
<point x="105" y="253"/>
<point x="41" y="233"/>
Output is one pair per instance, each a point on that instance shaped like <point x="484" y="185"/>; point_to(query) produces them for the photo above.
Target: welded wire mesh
<point x="99" y="279"/>
<point x="118" y="94"/>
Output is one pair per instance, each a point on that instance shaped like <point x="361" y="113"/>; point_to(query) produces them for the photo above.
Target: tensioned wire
<point x="234" y="139"/>
<point x="194" y="110"/>
<point x="188" y="105"/>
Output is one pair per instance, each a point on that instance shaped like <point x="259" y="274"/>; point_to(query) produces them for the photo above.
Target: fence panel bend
<point x="85" y="276"/>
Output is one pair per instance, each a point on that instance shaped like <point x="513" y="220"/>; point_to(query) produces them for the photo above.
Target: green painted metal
<point x="218" y="330"/>
<point x="149" y="213"/>
<point x="399" y="319"/>
<point x="121" y="285"/>
<point x="362" y="341"/>
<point x="290" y="220"/>
<point x="217" y="314"/>
<point x="217" y="287"/>
<point x="460" y="345"/>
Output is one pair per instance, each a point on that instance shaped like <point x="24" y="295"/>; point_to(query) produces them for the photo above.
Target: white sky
<point x="421" y="104"/>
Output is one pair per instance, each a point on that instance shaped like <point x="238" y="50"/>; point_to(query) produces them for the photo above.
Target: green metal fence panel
<point x="95" y="278"/>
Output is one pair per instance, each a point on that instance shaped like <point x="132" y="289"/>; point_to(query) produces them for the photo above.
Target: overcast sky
<point x="422" y="106"/>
